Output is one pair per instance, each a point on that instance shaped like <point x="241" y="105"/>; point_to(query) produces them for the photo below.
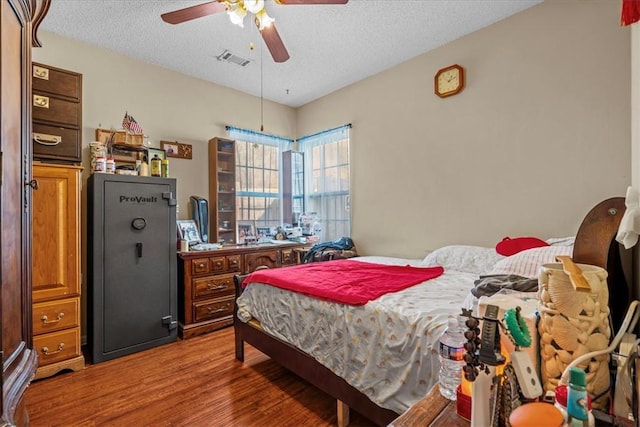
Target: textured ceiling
<point x="331" y="46"/>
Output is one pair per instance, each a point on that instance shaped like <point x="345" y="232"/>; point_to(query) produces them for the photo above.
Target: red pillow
<point x="509" y="246"/>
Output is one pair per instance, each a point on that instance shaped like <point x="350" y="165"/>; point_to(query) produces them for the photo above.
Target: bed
<point x="383" y="368"/>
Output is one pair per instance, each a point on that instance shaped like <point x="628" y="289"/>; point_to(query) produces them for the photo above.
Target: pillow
<point x="564" y="241"/>
<point x="469" y="259"/>
<point x="509" y="246"/>
<point x="527" y="263"/>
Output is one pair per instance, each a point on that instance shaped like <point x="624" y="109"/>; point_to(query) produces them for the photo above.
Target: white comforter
<point x="387" y="348"/>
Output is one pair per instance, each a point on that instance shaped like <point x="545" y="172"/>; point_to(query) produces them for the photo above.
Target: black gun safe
<point x="132" y="289"/>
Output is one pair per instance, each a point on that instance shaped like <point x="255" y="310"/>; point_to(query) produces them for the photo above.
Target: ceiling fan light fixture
<point x="237" y="14"/>
<point x="254" y="6"/>
<point x="263" y="20"/>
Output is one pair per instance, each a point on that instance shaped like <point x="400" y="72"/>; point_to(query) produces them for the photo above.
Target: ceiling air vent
<point x="233" y="58"/>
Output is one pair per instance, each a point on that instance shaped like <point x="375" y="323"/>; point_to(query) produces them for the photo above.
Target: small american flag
<point x="130" y="124"/>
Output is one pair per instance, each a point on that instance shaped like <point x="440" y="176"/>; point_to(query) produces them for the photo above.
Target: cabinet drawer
<point x="213" y="286"/>
<point x="55" y="315"/>
<point x="288" y="257"/>
<point x="212" y="309"/>
<point x="218" y="264"/>
<point x="260" y="259"/>
<point x="51" y="109"/>
<point x="233" y="263"/>
<point x="56" y="346"/>
<point x="56" y="81"/>
<point x="55" y="142"/>
<point x="200" y="266"/>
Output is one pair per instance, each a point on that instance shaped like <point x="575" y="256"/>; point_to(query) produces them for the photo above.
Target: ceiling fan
<point x="237" y="10"/>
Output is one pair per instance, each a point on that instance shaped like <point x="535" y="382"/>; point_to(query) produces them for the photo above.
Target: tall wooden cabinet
<point x="56" y="268"/>
<point x="19" y="20"/>
<point x="222" y="191"/>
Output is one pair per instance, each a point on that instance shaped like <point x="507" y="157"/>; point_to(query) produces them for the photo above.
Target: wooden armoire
<point x="19" y="20"/>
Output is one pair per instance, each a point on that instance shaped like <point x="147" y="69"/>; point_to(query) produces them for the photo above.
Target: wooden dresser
<point x="205" y="282"/>
<point x="56" y="268"/>
<point x="57" y="114"/>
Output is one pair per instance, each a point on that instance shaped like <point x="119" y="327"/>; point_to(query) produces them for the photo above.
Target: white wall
<point x="540" y="134"/>
<point x="170" y="106"/>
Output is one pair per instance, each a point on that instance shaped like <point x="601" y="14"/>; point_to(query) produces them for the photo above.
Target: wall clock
<point x="449" y="81"/>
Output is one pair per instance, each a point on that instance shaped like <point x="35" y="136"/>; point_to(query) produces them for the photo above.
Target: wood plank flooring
<point x="197" y="382"/>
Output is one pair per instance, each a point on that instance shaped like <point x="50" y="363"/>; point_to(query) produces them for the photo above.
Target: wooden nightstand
<point x="433" y="410"/>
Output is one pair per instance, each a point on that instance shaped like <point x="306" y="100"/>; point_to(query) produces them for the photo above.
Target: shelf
<point x="222" y="183"/>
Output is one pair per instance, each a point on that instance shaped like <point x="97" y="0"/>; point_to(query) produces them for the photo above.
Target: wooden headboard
<point x="596" y="245"/>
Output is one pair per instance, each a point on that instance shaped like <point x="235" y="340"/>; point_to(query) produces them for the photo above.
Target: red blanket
<point x="344" y="281"/>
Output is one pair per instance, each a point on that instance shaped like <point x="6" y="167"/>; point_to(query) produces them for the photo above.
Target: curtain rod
<point x="349" y="125"/>
<point x="229" y="127"/>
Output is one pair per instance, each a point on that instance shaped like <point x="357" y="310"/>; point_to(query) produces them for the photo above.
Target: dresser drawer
<point x="55" y="110"/>
<point x="200" y="266"/>
<point x="55" y="315"/>
<point x="267" y="259"/>
<point x="56" y="81"/>
<point x="57" y="346"/>
<point x="54" y="142"/>
<point x="212" y="309"/>
<point x="213" y="286"/>
<point x="288" y="257"/>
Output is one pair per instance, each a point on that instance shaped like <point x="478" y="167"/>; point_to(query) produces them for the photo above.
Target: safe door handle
<point x="139" y="249"/>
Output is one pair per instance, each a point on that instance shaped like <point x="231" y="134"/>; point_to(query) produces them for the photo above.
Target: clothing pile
<point x="341" y="248"/>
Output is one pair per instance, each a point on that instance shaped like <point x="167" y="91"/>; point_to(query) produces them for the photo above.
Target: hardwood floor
<point x="197" y="382"/>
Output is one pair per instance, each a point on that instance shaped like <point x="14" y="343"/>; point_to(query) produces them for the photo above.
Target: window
<point x="258" y="176"/>
<point x="327" y="171"/>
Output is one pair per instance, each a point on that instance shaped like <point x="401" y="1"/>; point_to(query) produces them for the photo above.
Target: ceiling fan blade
<point x="274" y="43"/>
<point x="312" y="1"/>
<point x="193" y="12"/>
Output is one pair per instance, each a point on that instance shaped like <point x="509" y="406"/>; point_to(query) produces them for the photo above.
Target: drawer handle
<point x="46" y="320"/>
<point x="214" y="287"/>
<point x="40" y="72"/>
<point x="46" y="139"/>
<point x="40" y="101"/>
<point x="200" y="265"/>
<point x="217" y="310"/>
<point x="46" y="352"/>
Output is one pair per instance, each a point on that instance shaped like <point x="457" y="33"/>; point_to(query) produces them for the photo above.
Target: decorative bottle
<point x="451" y="358"/>
<point x="165" y="168"/>
<point x="156" y="167"/>
<point x="144" y="167"/>
<point x="577" y="404"/>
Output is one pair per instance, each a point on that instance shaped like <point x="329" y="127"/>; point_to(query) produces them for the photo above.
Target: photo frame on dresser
<point x="188" y="230"/>
<point x="246" y="232"/>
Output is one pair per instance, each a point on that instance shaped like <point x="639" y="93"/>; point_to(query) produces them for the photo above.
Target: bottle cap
<point x="561" y="396"/>
<point x="577" y="377"/>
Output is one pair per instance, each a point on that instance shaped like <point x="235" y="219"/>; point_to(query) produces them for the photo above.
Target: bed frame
<point x="594" y="245"/>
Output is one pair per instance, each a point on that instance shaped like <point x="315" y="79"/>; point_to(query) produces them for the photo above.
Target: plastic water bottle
<point x="451" y="358"/>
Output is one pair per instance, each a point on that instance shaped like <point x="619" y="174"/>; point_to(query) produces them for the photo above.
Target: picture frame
<point x="188" y="230"/>
<point x="153" y="151"/>
<point x="246" y="232"/>
<point x="177" y="149"/>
